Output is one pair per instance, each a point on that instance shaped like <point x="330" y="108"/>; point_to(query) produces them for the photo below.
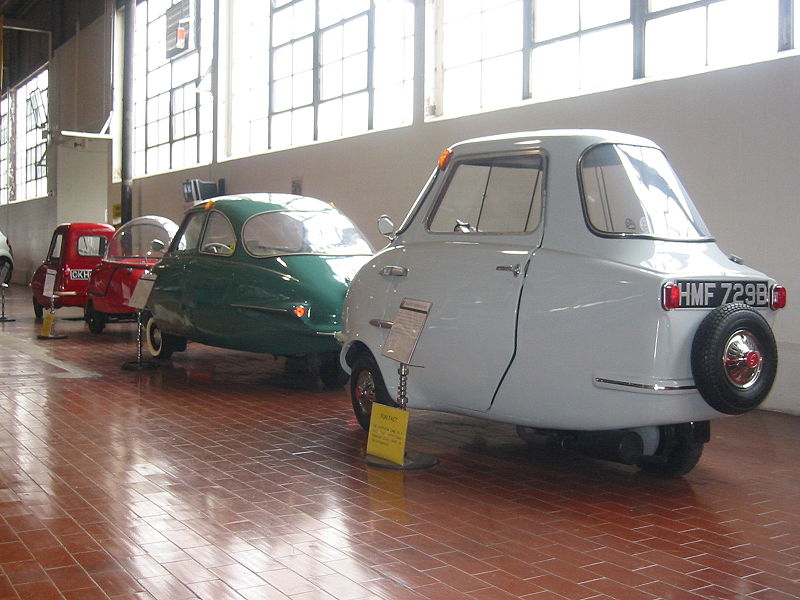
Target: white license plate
<point x="80" y="274"/>
<point x="710" y="294"/>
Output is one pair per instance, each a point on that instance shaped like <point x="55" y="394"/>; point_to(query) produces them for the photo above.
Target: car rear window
<point x="296" y="232"/>
<point x="632" y="191"/>
<point x="92" y="245"/>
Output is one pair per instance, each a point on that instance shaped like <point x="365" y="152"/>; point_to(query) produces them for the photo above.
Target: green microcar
<point x="258" y="272"/>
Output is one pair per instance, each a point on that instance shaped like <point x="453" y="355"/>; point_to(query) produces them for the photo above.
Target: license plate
<point x="709" y="294"/>
<point x="80" y="274"/>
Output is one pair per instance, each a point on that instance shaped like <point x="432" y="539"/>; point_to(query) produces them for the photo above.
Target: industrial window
<point x="5" y="148"/>
<point x="173" y="113"/>
<point x="498" y="53"/>
<point x="334" y="69"/>
<point x="682" y="37"/>
<point x="31" y="138"/>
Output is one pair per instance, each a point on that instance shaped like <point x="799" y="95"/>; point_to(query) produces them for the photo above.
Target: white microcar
<point x="575" y="292"/>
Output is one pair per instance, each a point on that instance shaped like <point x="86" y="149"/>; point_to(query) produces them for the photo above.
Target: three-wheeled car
<point x="75" y="249"/>
<point x="136" y="247"/>
<point x="258" y="272"/>
<point x="574" y="292"/>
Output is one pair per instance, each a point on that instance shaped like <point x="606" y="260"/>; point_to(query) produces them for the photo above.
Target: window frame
<point x="452" y="168"/>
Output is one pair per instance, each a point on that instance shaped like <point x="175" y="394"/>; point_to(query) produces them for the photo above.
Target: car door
<point x="209" y="282"/>
<point x="170" y="297"/>
<point x="470" y="260"/>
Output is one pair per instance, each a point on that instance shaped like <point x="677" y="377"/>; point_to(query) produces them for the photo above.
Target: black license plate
<point x="709" y="294"/>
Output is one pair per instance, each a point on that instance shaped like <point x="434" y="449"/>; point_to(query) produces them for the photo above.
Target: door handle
<point x="394" y="271"/>
<point x="510" y="268"/>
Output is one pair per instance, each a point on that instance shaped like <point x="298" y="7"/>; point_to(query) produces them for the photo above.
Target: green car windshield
<point x="279" y="233"/>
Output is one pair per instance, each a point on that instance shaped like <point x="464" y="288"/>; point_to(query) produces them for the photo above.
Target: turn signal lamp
<point x="778" y="297"/>
<point x="670" y="296"/>
<point x="300" y="311"/>
<point x="444" y="158"/>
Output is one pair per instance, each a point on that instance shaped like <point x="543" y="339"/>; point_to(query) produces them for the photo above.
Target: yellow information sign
<point x="387" y="433"/>
<point x="47" y="324"/>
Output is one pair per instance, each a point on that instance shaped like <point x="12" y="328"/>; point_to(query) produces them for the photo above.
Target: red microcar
<point x="75" y="250"/>
<point x="135" y="248"/>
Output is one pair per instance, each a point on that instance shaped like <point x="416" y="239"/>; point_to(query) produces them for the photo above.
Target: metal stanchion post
<point x="3" y="317"/>
<point x="48" y="325"/>
<point x="139" y="364"/>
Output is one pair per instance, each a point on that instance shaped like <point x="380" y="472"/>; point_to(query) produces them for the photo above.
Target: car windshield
<point x="142" y="238"/>
<point x="297" y="232"/>
<point x="632" y="191"/>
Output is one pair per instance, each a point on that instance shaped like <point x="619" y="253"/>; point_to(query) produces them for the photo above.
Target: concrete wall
<point x="732" y="135"/>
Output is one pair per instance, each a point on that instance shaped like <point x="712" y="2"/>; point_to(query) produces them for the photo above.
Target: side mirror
<point x="386" y="227"/>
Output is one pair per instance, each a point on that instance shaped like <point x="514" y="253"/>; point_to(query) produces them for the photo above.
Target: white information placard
<point x="49" y="283"/>
<point x="406" y="329"/>
<point x="142" y="291"/>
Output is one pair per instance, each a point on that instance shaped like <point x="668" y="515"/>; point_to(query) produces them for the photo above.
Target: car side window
<point x="188" y="236"/>
<point x="92" y="245"/>
<point x="492" y="195"/>
<point x="55" y="249"/>
<point x="219" y="237"/>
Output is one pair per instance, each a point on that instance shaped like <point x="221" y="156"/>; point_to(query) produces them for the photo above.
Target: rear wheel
<point x="679" y="449"/>
<point x="366" y="388"/>
<point x="331" y="373"/>
<point x="159" y="344"/>
<point x="95" y="319"/>
<point x="38" y="309"/>
<point x="734" y="359"/>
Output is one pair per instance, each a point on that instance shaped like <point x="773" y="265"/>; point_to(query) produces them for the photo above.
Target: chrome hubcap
<point x="365" y="391"/>
<point x="743" y="359"/>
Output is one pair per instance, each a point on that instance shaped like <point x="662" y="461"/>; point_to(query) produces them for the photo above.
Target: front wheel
<point x="366" y="388"/>
<point x="38" y="309"/>
<point x="95" y="319"/>
<point x="159" y="344"/>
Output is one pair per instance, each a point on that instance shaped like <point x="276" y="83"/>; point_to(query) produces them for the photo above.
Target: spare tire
<point x="734" y="358"/>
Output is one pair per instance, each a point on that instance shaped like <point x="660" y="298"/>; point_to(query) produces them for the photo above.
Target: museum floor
<point x="218" y="477"/>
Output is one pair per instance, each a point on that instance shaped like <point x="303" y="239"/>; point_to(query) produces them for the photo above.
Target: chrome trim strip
<point x="381" y="323"/>
<point x="264" y="308"/>
<point x="643" y="386"/>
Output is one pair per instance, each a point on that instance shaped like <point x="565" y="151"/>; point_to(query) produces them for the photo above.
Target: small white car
<point x="575" y="292"/>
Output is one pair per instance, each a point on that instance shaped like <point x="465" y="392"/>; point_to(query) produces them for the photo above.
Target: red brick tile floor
<point x="218" y="477"/>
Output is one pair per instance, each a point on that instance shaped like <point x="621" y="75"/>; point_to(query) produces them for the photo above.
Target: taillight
<point x="300" y="311"/>
<point x="777" y="299"/>
<point x="670" y="296"/>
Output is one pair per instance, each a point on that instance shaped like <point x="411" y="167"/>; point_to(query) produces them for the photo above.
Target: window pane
<point x="607" y="57"/>
<point x="461" y="90"/>
<point x="676" y="43"/>
<point x="741" y="30"/>
<point x="595" y="13"/>
<point x="662" y="4"/>
<point x="498" y="30"/>
<point x="501" y="82"/>
<point x="555" y="70"/>
<point x="553" y="18"/>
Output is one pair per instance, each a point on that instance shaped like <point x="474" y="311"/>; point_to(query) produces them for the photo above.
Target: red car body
<point x="135" y="248"/>
<point x="75" y="249"/>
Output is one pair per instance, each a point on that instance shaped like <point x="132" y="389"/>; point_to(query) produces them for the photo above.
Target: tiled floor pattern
<point x="218" y="477"/>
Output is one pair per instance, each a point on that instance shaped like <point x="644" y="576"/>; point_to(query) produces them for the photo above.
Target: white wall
<point x="732" y="135"/>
